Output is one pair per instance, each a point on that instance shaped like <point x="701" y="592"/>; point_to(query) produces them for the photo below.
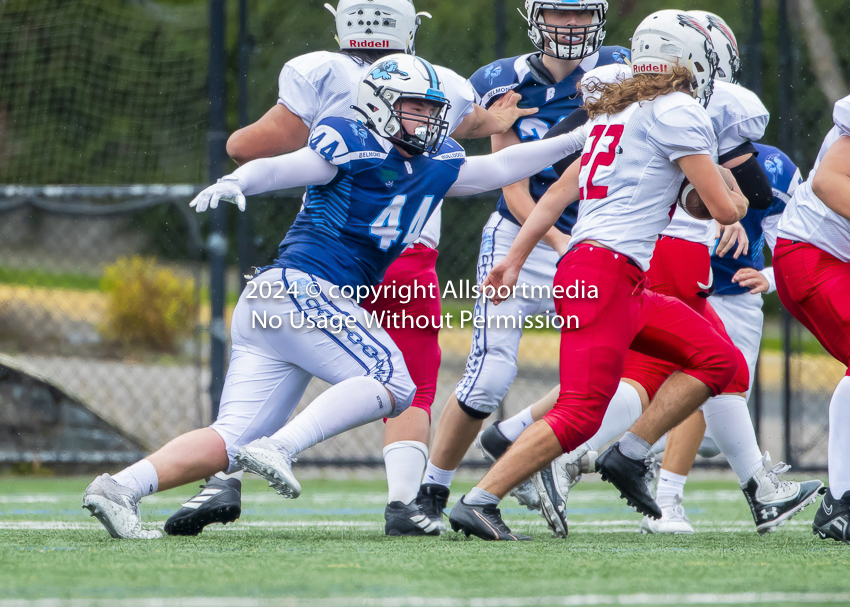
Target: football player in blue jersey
<point x="298" y="318"/>
<point x="568" y="36"/>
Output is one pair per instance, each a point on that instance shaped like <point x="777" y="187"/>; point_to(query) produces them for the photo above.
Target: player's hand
<point x="729" y="235"/>
<point x="752" y="279"/>
<point x="502" y="277"/>
<point x="505" y="110"/>
<point x="223" y="190"/>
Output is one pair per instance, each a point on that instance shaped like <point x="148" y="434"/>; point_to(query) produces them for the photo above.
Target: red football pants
<point x="815" y="287"/>
<point x="624" y="315"/>
<point x="681" y="269"/>
<point x="415" y="267"/>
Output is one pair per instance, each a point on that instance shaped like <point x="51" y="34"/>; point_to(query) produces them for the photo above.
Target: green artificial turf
<point x="330" y="543"/>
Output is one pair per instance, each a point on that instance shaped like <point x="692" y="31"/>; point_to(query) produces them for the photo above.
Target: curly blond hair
<point x="614" y="97"/>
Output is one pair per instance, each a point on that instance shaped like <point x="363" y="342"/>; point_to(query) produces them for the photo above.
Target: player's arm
<point x="279" y="131"/>
<point x="832" y="179"/>
<point x="300" y="168"/>
<point x="500" y="116"/>
<point x="518" y="196"/>
<point x="761" y="281"/>
<point x="546" y="212"/>
<point x="725" y="205"/>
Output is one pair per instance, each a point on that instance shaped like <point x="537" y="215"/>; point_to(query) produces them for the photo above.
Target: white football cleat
<point x="117" y="508"/>
<point x="269" y="458"/>
<point x="673" y="520"/>
<point x="568" y="468"/>
<point x="772" y="501"/>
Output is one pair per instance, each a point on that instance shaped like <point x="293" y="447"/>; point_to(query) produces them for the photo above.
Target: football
<point x="690" y="200"/>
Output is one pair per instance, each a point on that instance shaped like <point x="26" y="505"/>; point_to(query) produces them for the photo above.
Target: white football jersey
<point x="807" y="218"/>
<point x="629" y="179"/>
<point x="738" y="116"/>
<point x="324" y="84"/>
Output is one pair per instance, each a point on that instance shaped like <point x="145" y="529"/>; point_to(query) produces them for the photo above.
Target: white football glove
<point x="225" y="189"/>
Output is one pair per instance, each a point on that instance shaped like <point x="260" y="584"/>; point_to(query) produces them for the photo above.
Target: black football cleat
<point x="629" y="477"/>
<point x="492" y="443"/>
<point x="832" y="520"/>
<point x="432" y="500"/>
<point x="407" y="519"/>
<point x="482" y="521"/>
<point x="220" y="501"/>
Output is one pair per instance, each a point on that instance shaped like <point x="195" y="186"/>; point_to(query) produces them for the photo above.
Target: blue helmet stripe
<point x="435" y="82"/>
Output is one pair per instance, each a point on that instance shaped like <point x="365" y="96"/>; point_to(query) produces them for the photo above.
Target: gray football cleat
<point x="117" y="508"/>
<point x="553" y="484"/>
<point x="269" y="459"/>
<point x="220" y="501"/>
<point x="493" y="445"/>
<point x="772" y="501"/>
<point x="482" y="521"/>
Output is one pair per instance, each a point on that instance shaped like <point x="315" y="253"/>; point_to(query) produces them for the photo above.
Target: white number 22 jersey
<point x="629" y="179"/>
<point x="323" y="85"/>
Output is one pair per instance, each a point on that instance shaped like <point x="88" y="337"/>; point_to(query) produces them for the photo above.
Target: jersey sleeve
<point x="296" y="92"/>
<point x="346" y="144"/>
<point x="841" y="115"/>
<point x="460" y="93"/>
<point x="682" y="130"/>
<point x="494" y="80"/>
<point x="746" y="120"/>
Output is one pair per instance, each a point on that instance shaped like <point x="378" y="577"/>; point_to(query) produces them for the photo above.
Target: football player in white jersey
<point x="298" y="317"/>
<point x="323" y="84"/>
<point x="681" y="267"/>
<point x="646" y="134"/>
<point x="568" y="36"/>
<point x="812" y="268"/>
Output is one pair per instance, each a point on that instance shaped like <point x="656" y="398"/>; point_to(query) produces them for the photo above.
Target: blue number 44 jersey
<point x="784" y="178"/>
<point x="351" y="229"/>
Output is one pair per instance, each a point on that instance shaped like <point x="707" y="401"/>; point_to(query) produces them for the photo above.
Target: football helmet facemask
<point x="583" y="40"/>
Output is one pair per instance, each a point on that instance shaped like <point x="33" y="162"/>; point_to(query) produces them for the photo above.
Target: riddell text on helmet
<point x="642" y="68"/>
<point x="370" y="44"/>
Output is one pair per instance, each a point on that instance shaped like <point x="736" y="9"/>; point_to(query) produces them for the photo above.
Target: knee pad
<point x="475" y="413"/>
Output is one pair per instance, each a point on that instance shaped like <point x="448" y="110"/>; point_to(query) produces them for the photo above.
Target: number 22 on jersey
<point x="602" y="141"/>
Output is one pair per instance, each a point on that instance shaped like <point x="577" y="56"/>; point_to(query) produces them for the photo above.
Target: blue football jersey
<point x="555" y="101"/>
<point x="784" y="177"/>
<point x="351" y="229"/>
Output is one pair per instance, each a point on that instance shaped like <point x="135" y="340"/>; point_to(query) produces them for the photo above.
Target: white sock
<point x="622" y="412"/>
<point x="225" y="476"/>
<point x="438" y="475"/>
<point x="670" y="485"/>
<point x="514" y="426"/>
<point x="141" y="477"/>
<point x="349" y="404"/>
<point x="479" y="497"/>
<point x="728" y="420"/>
<point x="405" y="462"/>
<point x="839" y="435"/>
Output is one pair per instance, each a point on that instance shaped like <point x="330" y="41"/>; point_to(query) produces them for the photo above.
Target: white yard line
<point x="600" y="526"/>
<point x="747" y="598"/>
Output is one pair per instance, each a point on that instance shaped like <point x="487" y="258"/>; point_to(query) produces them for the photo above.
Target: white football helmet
<point x="376" y="24"/>
<point x="668" y="38"/>
<point x="584" y="40"/>
<point x="725" y="45"/>
<point x="397" y="77"/>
